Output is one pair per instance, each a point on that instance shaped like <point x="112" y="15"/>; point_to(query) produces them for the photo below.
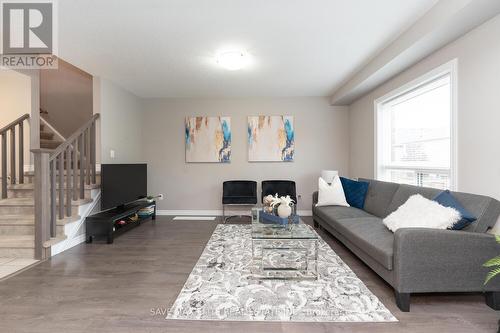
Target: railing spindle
<point x="13" y="155"/>
<point x="68" y="181"/>
<point x="92" y="153"/>
<point x="87" y="155"/>
<point x="21" y="153"/>
<point x="82" y="173"/>
<point x="61" y="185"/>
<point x="4" y="165"/>
<point x="53" y="199"/>
<point x="75" y="170"/>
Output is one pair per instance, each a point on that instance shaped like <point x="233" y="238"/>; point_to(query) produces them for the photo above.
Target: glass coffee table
<point x="284" y="252"/>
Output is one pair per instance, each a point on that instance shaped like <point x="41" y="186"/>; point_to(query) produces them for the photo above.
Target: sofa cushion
<point x="355" y="192"/>
<point x="379" y="196"/>
<point x="331" y="194"/>
<point x="484" y="208"/>
<point x="446" y="199"/>
<point x="370" y="235"/>
<point x="339" y="212"/>
<point x="404" y="192"/>
<point x="420" y="212"/>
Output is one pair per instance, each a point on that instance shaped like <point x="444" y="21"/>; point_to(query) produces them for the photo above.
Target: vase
<point x="284" y="211"/>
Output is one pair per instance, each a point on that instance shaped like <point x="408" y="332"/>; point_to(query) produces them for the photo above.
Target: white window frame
<point x="450" y="68"/>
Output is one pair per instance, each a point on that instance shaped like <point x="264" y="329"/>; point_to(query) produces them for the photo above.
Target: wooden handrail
<point x="19" y="169"/>
<point x="69" y="141"/>
<point x="60" y="178"/>
<point x="14" y="123"/>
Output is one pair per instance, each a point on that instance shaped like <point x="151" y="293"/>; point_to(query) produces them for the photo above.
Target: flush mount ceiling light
<point x="232" y="60"/>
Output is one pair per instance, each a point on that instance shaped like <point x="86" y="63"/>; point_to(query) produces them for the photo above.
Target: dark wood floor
<point x="114" y="288"/>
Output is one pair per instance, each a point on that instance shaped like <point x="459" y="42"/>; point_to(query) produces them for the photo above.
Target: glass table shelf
<point x="284" y="251"/>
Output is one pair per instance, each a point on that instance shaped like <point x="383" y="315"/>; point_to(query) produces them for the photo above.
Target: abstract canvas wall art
<point x="271" y="139"/>
<point x="208" y="139"/>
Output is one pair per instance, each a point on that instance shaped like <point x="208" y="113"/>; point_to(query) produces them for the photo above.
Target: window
<point x="415" y="132"/>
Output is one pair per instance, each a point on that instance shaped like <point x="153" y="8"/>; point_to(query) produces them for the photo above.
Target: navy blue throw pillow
<point x="446" y="199"/>
<point x="355" y="192"/>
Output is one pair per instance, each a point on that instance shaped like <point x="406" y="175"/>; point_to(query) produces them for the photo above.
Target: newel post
<point x="42" y="202"/>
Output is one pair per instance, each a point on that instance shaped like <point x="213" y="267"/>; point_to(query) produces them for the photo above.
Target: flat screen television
<point x="122" y="184"/>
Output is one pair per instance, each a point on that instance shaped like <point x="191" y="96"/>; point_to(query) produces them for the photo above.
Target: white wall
<point x="478" y="54"/>
<point x="120" y="124"/>
<point x="321" y="142"/>
<point x="15" y="100"/>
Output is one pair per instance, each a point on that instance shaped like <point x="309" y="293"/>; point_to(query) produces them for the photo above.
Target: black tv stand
<point x="104" y="224"/>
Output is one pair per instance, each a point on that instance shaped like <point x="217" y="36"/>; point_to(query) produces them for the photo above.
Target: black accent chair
<point x="282" y="187"/>
<point x="238" y="193"/>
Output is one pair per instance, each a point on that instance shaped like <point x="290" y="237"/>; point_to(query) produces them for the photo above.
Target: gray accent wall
<point x="321" y="132"/>
<point x="66" y="94"/>
<point x="478" y="54"/>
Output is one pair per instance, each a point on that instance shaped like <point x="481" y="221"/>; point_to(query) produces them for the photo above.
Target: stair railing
<point x="10" y="131"/>
<point x="71" y="165"/>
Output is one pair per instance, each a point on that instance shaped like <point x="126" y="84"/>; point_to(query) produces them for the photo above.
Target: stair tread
<point x="15" y="241"/>
<point x="50" y="141"/>
<point x="17" y="202"/>
<point x="25" y="219"/>
<point x="16" y="238"/>
<point x="28" y="202"/>
<point x="31" y="186"/>
<point x="32" y="173"/>
<point x="17" y="220"/>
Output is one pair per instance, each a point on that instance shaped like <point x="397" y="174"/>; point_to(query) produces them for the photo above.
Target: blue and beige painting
<point x="208" y="139"/>
<point x="271" y="139"/>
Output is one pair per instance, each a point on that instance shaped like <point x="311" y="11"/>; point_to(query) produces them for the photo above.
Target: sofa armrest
<point x="430" y="260"/>
<point x="315" y="198"/>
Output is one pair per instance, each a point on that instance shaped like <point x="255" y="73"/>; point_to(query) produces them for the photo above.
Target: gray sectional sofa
<point x="417" y="260"/>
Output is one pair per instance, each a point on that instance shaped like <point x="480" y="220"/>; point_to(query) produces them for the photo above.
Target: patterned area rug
<point x="222" y="287"/>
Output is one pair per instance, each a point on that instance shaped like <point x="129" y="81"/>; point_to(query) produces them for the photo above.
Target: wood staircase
<point x="48" y="138"/>
<point x="36" y="206"/>
<point x="17" y="218"/>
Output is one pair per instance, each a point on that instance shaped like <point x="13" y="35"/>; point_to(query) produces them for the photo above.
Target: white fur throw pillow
<point x="331" y="195"/>
<point x="420" y="212"/>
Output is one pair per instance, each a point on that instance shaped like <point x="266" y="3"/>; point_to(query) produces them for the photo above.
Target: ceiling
<point x="166" y="48"/>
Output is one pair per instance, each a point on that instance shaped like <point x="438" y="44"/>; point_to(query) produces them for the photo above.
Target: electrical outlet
<point x="111" y="153"/>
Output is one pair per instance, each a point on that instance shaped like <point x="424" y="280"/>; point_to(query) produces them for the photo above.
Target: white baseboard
<point x="75" y="231"/>
<point x="215" y="212"/>
<point x="67" y="244"/>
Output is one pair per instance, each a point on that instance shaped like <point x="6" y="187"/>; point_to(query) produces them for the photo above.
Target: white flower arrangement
<point x="286" y="201"/>
<point x="272" y="202"/>
<point x="269" y="200"/>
